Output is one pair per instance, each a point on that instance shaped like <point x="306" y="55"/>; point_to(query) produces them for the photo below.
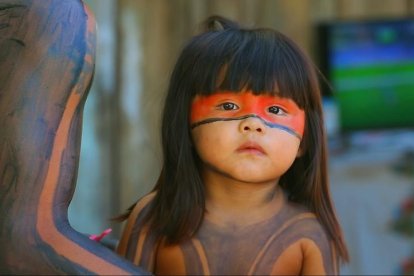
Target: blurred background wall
<point x="138" y="43"/>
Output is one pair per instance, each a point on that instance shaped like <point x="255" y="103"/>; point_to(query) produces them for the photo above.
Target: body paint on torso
<point x="256" y="249"/>
<point x="208" y="109"/>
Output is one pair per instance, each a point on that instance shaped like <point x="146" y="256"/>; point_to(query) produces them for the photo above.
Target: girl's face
<point x="247" y="137"/>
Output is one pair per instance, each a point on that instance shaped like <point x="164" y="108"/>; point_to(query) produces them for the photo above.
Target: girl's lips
<point x="251" y="147"/>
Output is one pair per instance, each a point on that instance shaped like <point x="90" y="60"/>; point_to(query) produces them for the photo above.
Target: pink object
<point x="101" y="236"/>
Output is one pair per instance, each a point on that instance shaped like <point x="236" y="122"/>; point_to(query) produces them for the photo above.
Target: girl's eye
<point x="228" y="106"/>
<point x="276" y="110"/>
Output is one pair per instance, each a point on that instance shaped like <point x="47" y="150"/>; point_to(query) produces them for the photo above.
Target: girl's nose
<point x="252" y="124"/>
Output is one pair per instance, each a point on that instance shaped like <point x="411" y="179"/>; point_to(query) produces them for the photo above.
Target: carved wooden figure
<point x="47" y="53"/>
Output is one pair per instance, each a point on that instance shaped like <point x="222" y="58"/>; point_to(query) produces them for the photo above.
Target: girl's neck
<point x="236" y="204"/>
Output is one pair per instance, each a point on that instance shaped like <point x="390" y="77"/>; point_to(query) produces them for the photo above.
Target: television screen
<point x="370" y="67"/>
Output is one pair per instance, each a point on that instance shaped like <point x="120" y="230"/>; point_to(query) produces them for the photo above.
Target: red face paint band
<point x="209" y="109"/>
<point x="268" y="124"/>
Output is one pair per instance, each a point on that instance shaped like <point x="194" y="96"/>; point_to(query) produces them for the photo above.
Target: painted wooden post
<point x="47" y="56"/>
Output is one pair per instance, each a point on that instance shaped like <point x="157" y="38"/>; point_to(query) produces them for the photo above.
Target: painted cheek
<point x="298" y="122"/>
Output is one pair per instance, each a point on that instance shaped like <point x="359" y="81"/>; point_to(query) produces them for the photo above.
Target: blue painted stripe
<point x="268" y="124"/>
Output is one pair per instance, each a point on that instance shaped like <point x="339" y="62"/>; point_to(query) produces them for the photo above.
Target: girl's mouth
<point x="251" y="147"/>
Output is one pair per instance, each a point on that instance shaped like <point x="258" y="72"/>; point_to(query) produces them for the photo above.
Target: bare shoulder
<point x="314" y="262"/>
<point x="307" y="247"/>
<point x="170" y="260"/>
<point x="135" y="244"/>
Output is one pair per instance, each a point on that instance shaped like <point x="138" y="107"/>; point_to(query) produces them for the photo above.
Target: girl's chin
<point x="253" y="178"/>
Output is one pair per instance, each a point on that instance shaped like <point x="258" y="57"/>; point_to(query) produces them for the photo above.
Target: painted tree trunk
<point x="47" y="56"/>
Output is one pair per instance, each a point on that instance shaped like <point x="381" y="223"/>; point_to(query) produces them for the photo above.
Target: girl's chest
<point x="255" y="250"/>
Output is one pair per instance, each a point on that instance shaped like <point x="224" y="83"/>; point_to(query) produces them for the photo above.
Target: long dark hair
<point x="228" y="57"/>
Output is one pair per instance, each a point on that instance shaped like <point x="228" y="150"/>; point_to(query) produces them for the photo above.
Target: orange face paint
<point x="229" y="106"/>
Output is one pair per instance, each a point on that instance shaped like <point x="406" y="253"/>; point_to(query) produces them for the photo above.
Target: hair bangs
<point x="263" y="61"/>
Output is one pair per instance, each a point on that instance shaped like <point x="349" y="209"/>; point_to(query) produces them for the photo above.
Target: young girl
<point x="244" y="187"/>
